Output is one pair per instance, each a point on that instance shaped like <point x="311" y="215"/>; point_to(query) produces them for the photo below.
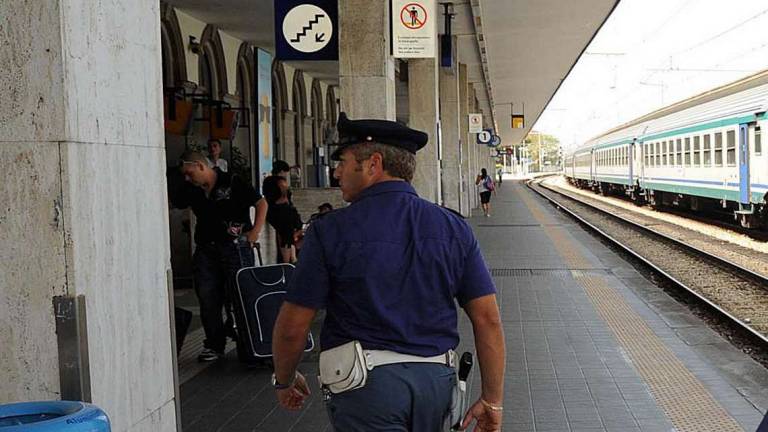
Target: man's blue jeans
<point x="216" y="265"/>
<point x="412" y="397"/>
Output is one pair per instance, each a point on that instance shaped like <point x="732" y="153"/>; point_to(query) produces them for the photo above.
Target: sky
<point x="652" y="53"/>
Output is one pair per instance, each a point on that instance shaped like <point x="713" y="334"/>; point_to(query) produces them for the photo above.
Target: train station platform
<point x="591" y="345"/>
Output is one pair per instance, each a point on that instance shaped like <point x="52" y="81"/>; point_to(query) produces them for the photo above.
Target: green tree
<point x="542" y="149"/>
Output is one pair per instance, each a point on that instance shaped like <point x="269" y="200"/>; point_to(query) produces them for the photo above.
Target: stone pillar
<point x="423" y="109"/>
<point x="366" y="69"/>
<point x="466" y="184"/>
<point x="449" y="117"/>
<point x="471" y="158"/>
<point x="85" y="211"/>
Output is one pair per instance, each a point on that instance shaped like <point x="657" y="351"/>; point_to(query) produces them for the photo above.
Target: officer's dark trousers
<point x="215" y="267"/>
<point x="414" y="397"/>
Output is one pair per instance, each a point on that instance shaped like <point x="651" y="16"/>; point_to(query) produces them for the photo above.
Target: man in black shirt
<point x="221" y="202"/>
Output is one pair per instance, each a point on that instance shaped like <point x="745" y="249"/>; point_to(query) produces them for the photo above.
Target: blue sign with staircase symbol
<point x="306" y="30"/>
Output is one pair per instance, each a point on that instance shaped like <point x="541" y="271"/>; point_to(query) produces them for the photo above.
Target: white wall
<point x="231" y="47"/>
<point x="87" y="213"/>
<point x="190" y="26"/>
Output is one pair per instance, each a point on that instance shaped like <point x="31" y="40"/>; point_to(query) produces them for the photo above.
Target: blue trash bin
<point x="59" y="416"/>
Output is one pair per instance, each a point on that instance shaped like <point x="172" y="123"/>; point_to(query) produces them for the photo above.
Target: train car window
<point x="679" y="152"/>
<point x="664" y="153"/>
<point x="707" y="151"/>
<point x="658" y="153"/>
<point x="696" y="151"/>
<point x="758" y="142"/>
<point x="687" y="152"/>
<point x="647" y="151"/>
<point x="731" y="147"/>
<point x="719" y="149"/>
<point x="650" y="154"/>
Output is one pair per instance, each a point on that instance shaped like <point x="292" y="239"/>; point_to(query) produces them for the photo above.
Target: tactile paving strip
<point x="565" y="247"/>
<point x="678" y="392"/>
<point x="685" y="400"/>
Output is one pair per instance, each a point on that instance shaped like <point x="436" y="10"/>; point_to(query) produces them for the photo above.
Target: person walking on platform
<point x="221" y="202"/>
<point x="485" y="187"/>
<point x="388" y="269"/>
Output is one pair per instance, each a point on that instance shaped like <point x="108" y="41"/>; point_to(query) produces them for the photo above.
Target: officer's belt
<point x="374" y="358"/>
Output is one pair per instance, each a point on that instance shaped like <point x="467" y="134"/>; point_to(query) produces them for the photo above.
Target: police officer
<point x="221" y="202"/>
<point x="388" y="269"/>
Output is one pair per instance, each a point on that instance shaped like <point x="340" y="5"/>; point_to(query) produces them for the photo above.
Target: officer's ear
<point x="377" y="162"/>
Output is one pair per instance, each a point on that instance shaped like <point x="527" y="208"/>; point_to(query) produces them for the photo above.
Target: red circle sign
<point x="413" y="16"/>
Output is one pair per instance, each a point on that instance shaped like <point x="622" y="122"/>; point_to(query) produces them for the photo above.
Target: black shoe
<point x="209" y="355"/>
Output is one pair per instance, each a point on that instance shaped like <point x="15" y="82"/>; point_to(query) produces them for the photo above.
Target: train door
<point x="744" y="183"/>
<point x="630" y="163"/>
<point x="640" y="149"/>
<point x="757" y="160"/>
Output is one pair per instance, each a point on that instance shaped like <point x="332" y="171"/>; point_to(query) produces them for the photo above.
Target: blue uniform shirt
<point x="388" y="270"/>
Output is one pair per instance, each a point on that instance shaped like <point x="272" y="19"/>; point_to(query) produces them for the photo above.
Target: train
<point x="701" y="153"/>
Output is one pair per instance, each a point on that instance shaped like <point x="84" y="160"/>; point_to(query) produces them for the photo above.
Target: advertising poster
<point x="264" y="117"/>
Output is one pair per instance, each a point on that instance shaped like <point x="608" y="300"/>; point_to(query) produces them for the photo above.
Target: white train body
<point x="707" y="147"/>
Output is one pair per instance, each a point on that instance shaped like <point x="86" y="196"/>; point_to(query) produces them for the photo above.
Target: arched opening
<point x="213" y="68"/>
<point x="245" y="136"/>
<point x="331" y="109"/>
<point x="279" y="102"/>
<point x="174" y="64"/>
<point x="300" y="110"/>
<point x="331" y="115"/>
<point x="319" y="175"/>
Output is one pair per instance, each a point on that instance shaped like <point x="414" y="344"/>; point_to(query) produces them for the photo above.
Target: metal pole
<point x="540" y="152"/>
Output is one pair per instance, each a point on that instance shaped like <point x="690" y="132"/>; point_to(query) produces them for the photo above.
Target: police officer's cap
<point x="387" y="132"/>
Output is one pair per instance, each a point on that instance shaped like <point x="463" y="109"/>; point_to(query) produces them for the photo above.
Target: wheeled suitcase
<point x="259" y="293"/>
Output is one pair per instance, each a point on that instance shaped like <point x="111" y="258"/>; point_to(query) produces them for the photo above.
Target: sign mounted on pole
<point x="414" y="29"/>
<point x="475" y="123"/>
<point x="306" y="29"/>
<point x="485" y="136"/>
<point x="518" y="121"/>
<point x="495" y="141"/>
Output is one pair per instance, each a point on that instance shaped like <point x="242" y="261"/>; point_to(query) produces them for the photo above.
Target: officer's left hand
<point x="294" y="396"/>
<point x="487" y="419"/>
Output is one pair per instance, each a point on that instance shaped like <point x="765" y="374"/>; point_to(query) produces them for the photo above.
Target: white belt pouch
<point x="343" y="368"/>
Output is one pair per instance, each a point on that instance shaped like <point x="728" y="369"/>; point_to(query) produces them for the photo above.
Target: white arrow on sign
<point x="484" y="137"/>
<point x="307" y="28"/>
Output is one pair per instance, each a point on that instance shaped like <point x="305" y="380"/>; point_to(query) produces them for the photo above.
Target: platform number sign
<point x="306" y="30"/>
<point x="485" y="136"/>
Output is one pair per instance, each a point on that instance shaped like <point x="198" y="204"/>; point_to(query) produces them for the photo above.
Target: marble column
<point x="85" y="210"/>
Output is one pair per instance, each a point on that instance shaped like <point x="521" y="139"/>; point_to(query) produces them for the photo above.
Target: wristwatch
<point x="279" y="386"/>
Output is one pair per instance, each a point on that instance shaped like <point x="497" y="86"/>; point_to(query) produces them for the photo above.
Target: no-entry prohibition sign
<point x="413" y="16"/>
<point x="413" y="28"/>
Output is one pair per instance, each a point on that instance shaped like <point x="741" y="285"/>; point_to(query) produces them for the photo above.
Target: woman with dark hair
<point x="485" y="186"/>
<point x="283" y="217"/>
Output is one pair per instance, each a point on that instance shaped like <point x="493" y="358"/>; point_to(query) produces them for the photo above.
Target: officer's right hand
<point x="487" y="420"/>
<point x="293" y="397"/>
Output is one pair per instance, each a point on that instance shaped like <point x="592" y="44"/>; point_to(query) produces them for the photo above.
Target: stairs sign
<point x="306" y="29"/>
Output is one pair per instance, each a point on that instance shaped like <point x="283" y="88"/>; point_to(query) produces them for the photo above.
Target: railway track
<point x="736" y="294"/>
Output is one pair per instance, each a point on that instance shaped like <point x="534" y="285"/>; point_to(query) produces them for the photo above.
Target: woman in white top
<point x="485" y="186"/>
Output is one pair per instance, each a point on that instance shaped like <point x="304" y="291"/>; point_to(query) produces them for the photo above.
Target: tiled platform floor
<point x="590" y="345"/>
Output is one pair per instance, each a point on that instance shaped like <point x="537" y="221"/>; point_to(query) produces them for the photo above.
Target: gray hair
<point x="397" y="162"/>
<point x="193" y="156"/>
